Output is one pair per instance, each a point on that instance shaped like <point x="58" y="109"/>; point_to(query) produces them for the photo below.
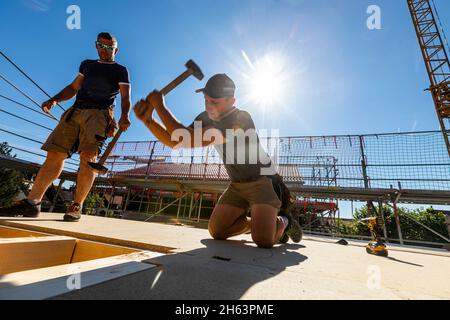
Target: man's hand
<point x="48" y="105"/>
<point x="124" y="122"/>
<point x="144" y="108"/>
<point x="144" y="111"/>
<point x="156" y="99"/>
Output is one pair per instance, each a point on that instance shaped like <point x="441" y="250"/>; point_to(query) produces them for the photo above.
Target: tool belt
<point x="111" y="128"/>
<point x="283" y="193"/>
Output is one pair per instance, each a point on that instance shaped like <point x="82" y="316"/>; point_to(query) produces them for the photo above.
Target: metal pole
<point x="397" y="220"/>
<point x="364" y="170"/>
<point x="185" y="205"/>
<point x="200" y="207"/>
<point x="126" y="201"/>
<point x="339" y="219"/>
<point x="162" y="209"/>
<point x="352" y="209"/>
<point x="192" y="201"/>
<point x="179" y="205"/>
<point x="111" y="199"/>
<point x="142" y="197"/>
<point x="380" y="205"/>
<point x="150" y="160"/>
<point x="426" y="227"/>
<point x="148" y="202"/>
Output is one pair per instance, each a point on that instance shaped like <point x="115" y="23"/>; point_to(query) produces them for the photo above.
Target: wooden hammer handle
<point x="166" y="90"/>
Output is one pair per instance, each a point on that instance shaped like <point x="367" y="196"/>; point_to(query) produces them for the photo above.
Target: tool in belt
<point x="282" y="192"/>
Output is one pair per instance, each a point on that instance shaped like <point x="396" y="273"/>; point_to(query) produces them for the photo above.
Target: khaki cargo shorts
<point x="244" y="195"/>
<point x="79" y="131"/>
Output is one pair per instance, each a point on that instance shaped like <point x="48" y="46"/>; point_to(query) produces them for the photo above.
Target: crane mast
<point x="436" y="60"/>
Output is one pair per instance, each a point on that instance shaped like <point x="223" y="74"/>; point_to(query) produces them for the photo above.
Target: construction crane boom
<point x="436" y="60"/>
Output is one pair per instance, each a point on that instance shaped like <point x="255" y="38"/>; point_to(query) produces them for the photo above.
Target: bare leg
<point x="86" y="176"/>
<point x="228" y="221"/>
<point x="267" y="227"/>
<point x="49" y="172"/>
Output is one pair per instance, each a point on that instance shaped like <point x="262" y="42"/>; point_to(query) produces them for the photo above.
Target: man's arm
<point x="172" y="133"/>
<point x="160" y="133"/>
<point x="125" y="93"/>
<point x="66" y="94"/>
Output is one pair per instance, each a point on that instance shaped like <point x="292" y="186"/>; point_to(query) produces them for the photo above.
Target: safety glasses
<point x="105" y="46"/>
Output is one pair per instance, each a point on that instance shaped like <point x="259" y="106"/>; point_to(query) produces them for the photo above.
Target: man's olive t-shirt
<point x="242" y="155"/>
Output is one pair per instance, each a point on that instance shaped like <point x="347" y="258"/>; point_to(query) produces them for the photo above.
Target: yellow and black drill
<point x="377" y="246"/>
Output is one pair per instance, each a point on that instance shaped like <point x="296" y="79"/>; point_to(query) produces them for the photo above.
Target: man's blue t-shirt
<point x="101" y="84"/>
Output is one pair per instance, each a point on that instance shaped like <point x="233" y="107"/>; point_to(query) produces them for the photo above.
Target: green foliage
<point x="350" y="228"/>
<point x="6" y="150"/>
<point x="411" y="230"/>
<point x="12" y="181"/>
<point x="93" y="200"/>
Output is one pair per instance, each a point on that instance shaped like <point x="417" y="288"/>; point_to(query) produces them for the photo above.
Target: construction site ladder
<point x="436" y="60"/>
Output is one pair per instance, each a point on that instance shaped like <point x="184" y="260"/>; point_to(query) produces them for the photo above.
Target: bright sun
<point x="267" y="80"/>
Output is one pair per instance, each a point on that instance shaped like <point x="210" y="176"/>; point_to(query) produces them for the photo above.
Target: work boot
<point x="73" y="214"/>
<point x="23" y="208"/>
<point x="284" y="238"/>
<point x="293" y="230"/>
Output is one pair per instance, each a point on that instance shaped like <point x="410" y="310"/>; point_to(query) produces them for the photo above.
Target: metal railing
<point x="417" y="161"/>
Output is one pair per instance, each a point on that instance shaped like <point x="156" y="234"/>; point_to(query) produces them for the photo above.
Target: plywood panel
<point x="22" y="254"/>
<point x="18" y="233"/>
<point x="86" y="250"/>
<point x="51" y="282"/>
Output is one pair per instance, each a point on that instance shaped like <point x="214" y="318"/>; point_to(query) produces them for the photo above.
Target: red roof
<point x="200" y="171"/>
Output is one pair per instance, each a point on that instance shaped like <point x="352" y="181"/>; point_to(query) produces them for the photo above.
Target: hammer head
<point x="102" y="170"/>
<point x="195" y="69"/>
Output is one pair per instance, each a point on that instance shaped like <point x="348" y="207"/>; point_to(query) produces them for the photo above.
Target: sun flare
<point x="267" y="81"/>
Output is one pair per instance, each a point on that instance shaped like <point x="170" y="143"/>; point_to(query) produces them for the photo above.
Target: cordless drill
<point x="377" y="246"/>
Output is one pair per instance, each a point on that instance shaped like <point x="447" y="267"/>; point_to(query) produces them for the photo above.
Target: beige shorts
<point x="79" y="131"/>
<point x="245" y="195"/>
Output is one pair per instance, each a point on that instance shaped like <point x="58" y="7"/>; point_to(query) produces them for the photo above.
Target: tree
<point x="93" y="201"/>
<point x="12" y="181"/>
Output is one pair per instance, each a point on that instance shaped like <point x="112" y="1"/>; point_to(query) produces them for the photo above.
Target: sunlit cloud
<point x="38" y="5"/>
<point x="293" y="2"/>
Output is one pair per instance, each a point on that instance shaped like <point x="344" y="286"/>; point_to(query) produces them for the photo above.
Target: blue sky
<point x="338" y="77"/>
<point x="341" y="77"/>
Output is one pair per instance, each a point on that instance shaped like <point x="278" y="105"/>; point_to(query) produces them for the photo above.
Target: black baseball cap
<point x="219" y="86"/>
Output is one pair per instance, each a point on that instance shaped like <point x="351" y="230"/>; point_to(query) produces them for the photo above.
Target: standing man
<point x="83" y="128"/>
<point x="253" y="185"/>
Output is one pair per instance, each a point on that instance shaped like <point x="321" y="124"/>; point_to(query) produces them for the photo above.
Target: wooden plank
<point x="6" y="232"/>
<point x="20" y="254"/>
<point x="87" y="250"/>
<point x="55" y="281"/>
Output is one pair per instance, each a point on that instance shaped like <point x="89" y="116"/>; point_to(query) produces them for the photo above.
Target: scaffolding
<point x="416" y="161"/>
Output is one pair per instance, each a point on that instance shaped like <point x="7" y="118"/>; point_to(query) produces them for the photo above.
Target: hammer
<point x="192" y="70"/>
